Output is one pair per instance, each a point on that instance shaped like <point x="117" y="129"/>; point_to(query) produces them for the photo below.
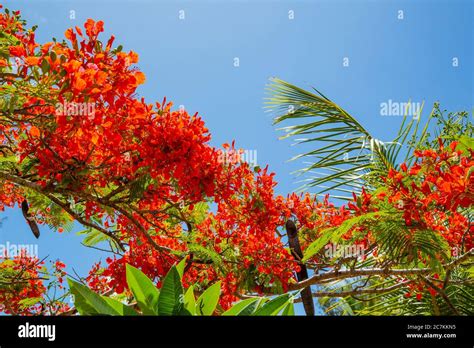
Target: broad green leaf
<point x="143" y="289"/>
<point x="121" y="308"/>
<point x="207" y="302"/>
<point x="253" y="308"/>
<point x="170" y="301"/>
<point x="184" y="312"/>
<point x="274" y="306"/>
<point x="180" y="267"/>
<point x="190" y="301"/>
<point x="289" y="309"/>
<point x="244" y="307"/>
<point x="88" y="302"/>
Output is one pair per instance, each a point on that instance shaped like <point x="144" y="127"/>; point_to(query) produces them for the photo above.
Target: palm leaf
<point x="348" y="156"/>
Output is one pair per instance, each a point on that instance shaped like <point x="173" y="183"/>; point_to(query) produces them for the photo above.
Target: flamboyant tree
<point x="78" y="145"/>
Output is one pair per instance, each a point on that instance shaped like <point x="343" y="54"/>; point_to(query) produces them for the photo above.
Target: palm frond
<point x="348" y="156"/>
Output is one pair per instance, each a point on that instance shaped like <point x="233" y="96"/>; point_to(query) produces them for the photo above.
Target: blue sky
<point x="191" y="62"/>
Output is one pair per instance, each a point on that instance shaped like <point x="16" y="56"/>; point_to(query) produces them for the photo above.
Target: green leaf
<point x="139" y="186"/>
<point x="207" y="302"/>
<point x="274" y="306"/>
<point x="199" y="212"/>
<point x="88" y="302"/>
<point x="244" y="307"/>
<point x="121" y="308"/>
<point x="180" y="267"/>
<point x="29" y="301"/>
<point x="143" y="289"/>
<point x="11" y="158"/>
<point x="465" y="144"/>
<point x="171" y="294"/>
<point x="184" y="312"/>
<point x="45" y="66"/>
<point x="334" y="233"/>
<point x="13" y="103"/>
<point x="289" y="310"/>
<point x="344" y="156"/>
<point x="53" y="55"/>
<point x="93" y="237"/>
<point x="206" y="254"/>
<point x="190" y="301"/>
<point x="28" y="164"/>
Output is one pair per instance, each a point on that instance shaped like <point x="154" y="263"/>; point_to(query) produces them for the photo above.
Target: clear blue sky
<point x="191" y="62"/>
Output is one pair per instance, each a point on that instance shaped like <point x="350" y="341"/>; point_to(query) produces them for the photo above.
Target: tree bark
<point x="306" y="296"/>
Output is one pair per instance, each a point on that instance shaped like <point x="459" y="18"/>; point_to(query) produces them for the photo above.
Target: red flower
<point x="17" y="51"/>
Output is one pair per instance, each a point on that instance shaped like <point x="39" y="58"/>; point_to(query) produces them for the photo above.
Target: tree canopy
<point x="79" y="146"/>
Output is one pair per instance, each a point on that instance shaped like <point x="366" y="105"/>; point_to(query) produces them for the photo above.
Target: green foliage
<point x="171" y="299"/>
<point x="92" y="236"/>
<point x="399" y="244"/>
<point x="206" y="254"/>
<point x="346" y="155"/>
<point x="207" y="302"/>
<point x="274" y="306"/>
<point x="190" y="300"/>
<point x="244" y="307"/>
<point x="57" y="217"/>
<point x="171" y="294"/>
<point x="88" y="302"/>
<point x="120" y="307"/>
<point x="448" y="126"/>
<point x="30" y="301"/>
<point x="333" y="234"/>
<point x="139" y="186"/>
<point x="143" y="289"/>
<point x="459" y="300"/>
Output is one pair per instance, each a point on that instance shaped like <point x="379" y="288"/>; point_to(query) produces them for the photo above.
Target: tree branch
<point x="336" y="275"/>
<point x="65" y="206"/>
<point x="358" y="292"/>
